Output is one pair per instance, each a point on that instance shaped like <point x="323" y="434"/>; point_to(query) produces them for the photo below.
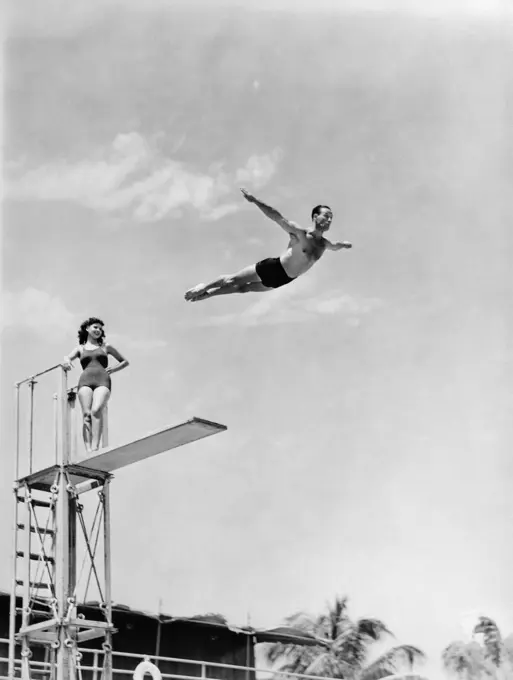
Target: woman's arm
<point x="123" y="363"/>
<point x="71" y="356"/>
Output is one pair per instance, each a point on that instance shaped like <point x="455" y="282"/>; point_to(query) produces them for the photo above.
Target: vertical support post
<point x="107" y="668"/>
<point x="25" y="646"/>
<point x="47" y="661"/>
<point x="159" y="636"/>
<point x="95" y="665"/>
<point x="73" y="428"/>
<point x="62" y="576"/>
<point x="12" y="612"/>
<point x="53" y="670"/>
<point x="64" y="423"/>
<point x="56" y="427"/>
<point x="63" y="547"/>
<point x="17" y="422"/>
<point x="27" y="521"/>
<point x="72" y="542"/>
<point x="31" y="385"/>
<point x="25" y="616"/>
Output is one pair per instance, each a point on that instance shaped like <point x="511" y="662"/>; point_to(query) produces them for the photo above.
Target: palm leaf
<point x="329" y="666"/>
<point x="389" y="662"/>
<point x="456" y="658"/>
<point x="466" y="660"/>
<point x="353" y="642"/>
<point x="492" y="639"/>
<point x="372" y="629"/>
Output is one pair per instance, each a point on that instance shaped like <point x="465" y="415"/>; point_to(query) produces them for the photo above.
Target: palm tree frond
<point x="389" y="662"/>
<point x="372" y="629"/>
<point x="456" y="658"/>
<point x="492" y="639"/>
<point x="329" y="666"/>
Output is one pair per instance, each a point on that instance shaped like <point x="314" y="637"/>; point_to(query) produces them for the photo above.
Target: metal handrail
<point x="37" y="375"/>
<point x="178" y="676"/>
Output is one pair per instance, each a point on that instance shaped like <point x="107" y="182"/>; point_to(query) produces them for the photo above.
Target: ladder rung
<point x="35" y="556"/>
<point x="36" y="612"/>
<point x="36" y="502"/>
<point x="34" y="530"/>
<point x="33" y="584"/>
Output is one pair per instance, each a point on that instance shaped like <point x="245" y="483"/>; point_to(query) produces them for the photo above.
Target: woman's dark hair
<point x="318" y="209"/>
<point x="82" y="331"/>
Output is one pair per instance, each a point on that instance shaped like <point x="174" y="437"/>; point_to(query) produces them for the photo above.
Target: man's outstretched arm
<point x="273" y="214"/>
<point x="337" y="246"/>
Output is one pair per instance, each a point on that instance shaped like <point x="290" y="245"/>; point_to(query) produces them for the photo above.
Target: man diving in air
<point x="305" y="247"/>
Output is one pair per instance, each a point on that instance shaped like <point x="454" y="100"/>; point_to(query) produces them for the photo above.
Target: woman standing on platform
<point x="94" y="385"/>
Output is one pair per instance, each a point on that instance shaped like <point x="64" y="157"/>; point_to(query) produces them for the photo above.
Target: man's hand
<point x="339" y="246"/>
<point x="248" y="196"/>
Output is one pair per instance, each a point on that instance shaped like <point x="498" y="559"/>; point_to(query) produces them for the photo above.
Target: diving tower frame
<point x="49" y="615"/>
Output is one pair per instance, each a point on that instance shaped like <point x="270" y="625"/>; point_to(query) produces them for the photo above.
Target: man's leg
<point x="225" y="285"/>
<point x="252" y="287"/>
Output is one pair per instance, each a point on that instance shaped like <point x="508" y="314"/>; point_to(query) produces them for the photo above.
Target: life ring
<point x="147" y="667"/>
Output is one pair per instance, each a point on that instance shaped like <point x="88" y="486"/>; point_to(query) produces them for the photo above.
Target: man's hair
<point x="318" y="209"/>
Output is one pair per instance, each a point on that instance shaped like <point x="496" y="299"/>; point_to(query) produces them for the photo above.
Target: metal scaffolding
<point x="49" y="522"/>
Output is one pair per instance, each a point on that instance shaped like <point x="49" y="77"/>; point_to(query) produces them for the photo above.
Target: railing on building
<point x="199" y="669"/>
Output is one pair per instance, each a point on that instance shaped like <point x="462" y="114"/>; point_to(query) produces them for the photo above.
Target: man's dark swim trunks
<point x="271" y="272"/>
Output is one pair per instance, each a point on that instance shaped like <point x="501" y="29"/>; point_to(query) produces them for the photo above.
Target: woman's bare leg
<point x="85" y="397"/>
<point x="100" y="397"/>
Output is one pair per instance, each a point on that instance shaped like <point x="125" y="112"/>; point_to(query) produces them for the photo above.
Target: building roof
<point x="282" y="634"/>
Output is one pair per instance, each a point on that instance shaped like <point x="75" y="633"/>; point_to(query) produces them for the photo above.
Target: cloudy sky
<point x="368" y="403"/>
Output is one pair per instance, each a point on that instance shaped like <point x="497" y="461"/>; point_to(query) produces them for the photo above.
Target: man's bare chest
<point x="312" y="247"/>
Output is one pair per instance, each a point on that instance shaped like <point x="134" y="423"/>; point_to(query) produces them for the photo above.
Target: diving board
<point x="116" y="457"/>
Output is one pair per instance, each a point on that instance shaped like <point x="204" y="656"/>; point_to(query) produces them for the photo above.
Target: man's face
<point x="323" y="219"/>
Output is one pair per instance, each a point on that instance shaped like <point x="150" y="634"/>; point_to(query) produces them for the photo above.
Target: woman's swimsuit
<point x="94" y="362"/>
<point x="271" y="272"/>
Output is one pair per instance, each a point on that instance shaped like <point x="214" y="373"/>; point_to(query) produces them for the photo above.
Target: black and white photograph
<point x="257" y="340"/>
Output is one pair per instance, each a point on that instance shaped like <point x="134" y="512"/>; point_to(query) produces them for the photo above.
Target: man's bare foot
<point x="193" y="293"/>
<point x="200" y="296"/>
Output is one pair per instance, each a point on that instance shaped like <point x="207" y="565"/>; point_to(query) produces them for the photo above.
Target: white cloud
<point x="48" y="317"/>
<point x="37" y="311"/>
<point x="132" y="177"/>
<point x="222" y="211"/>
<point x="260" y="169"/>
